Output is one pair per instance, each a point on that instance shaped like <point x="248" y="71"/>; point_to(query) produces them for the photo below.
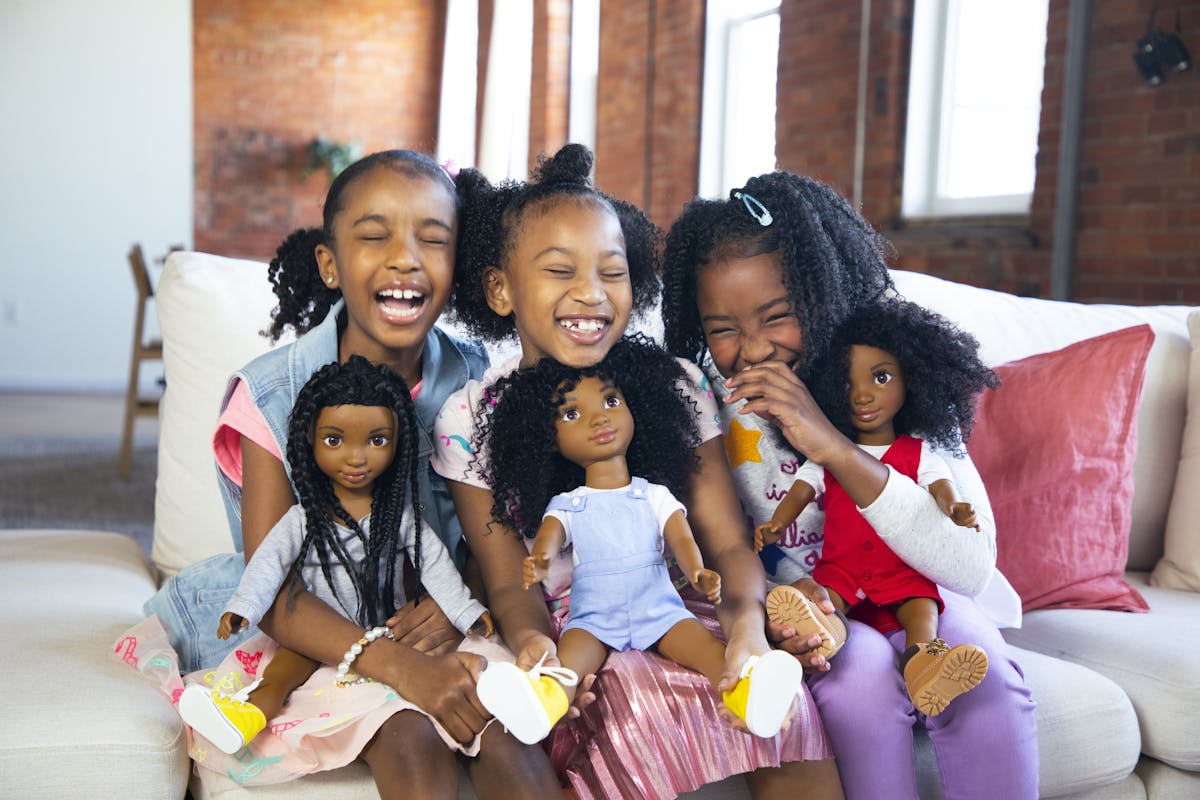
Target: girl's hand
<point x="446" y="691"/>
<point x="785" y="636"/>
<point x="708" y="582"/>
<point x="538" y="645"/>
<point x="773" y="392"/>
<point x="765" y="535"/>
<point x="425" y="628"/>
<point x="736" y="653"/>
<point x="534" y="569"/>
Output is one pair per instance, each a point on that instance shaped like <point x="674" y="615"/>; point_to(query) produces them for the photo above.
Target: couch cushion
<point x="1180" y="564"/>
<point x="1152" y="657"/>
<point x="1059" y="472"/>
<point x="1164" y="782"/>
<point x="210" y="312"/>
<point x="78" y="722"/>
<point x="1010" y="327"/>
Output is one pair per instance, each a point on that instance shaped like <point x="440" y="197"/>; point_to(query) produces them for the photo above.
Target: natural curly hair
<point x="358" y="382"/>
<point x="515" y="428"/>
<point x="303" y="299"/>
<point x="832" y="260"/>
<point x="490" y="222"/>
<point x="943" y="375"/>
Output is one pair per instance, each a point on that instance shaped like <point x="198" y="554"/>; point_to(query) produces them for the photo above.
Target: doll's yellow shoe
<point x="229" y="722"/>
<point x="764" y="695"/>
<point x="527" y="704"/>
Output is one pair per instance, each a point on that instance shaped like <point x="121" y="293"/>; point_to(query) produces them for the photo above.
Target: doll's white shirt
<point x="930" y="469"/>
<point x="661" y="501"/>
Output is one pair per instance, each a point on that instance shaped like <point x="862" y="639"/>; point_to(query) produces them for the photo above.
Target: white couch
<point x="1118" y="696"/>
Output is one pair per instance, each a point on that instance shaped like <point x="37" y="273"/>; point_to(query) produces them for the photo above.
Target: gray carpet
<point x="63" y="483"/>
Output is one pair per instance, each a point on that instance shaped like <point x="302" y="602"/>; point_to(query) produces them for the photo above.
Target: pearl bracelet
<point x="344" y="676"/>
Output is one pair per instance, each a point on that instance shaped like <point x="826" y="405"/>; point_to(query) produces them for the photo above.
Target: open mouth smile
<point x="401" y="305"/>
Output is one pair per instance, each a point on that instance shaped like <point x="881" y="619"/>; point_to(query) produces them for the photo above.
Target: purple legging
<point x="985" y="741"/>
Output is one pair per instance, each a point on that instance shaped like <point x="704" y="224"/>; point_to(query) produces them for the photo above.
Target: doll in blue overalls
<point x="565" y="462"/>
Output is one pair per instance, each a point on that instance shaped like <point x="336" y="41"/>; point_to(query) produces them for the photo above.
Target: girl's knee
<point x="408" y="738"/>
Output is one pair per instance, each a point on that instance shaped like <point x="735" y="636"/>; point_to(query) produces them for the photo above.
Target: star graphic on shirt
<point x="741" y="445"/>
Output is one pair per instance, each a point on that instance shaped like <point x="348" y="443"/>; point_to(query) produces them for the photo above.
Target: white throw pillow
<point x="1179" y="567"/>
<point x="210" y="312"/>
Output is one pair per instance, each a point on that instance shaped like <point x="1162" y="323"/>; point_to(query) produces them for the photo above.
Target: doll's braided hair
<point x="943" y="375"/>
<point x="357" y="382"/>
<point x="832" y="260"/>
<point x="515" y="427"/>
<point x="303" y="299"/>
<point x="490" y="221"/>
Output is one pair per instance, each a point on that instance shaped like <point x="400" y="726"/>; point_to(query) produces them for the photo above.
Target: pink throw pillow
<point x="1055" y="446"/>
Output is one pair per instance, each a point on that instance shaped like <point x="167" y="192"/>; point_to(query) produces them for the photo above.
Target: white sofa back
<point x="211" y="310"/>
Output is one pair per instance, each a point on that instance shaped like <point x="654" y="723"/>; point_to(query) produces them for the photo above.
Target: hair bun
<point x="571" y="164"/>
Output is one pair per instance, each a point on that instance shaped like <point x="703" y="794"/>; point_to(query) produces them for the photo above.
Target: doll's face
<point x="746" y="313"/>
<point x="593" y="424"/>
<point x="353" y="445"/>
<point x="876" y="393"/>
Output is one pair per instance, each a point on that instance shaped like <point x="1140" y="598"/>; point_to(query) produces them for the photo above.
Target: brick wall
<point x="270" y="75"/>
<point x="550" y="92"/>
<point x="1139" y="193"/>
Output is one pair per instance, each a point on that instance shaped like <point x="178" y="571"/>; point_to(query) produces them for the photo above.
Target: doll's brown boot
<point x="935" y="673"/>
<point x="787" y="605"/>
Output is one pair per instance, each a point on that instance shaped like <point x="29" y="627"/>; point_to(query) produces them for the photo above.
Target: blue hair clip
<point x="756" y="209"/>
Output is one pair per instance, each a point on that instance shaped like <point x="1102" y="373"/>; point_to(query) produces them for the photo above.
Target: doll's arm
<point x="267" y="570"/>
<point x="230" y="621"/>
<point x="799" y="496"/>
<point x="549" y="540"/>
<point x="445" y="585"/>
<point x="678" y="535"/>
<point x="962" y="513"/>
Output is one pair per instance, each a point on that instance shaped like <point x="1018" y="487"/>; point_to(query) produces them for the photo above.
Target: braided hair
<point x="357" y="382"/>
<point x="303" y="299"/>
<point x="515" y="427"/>
<point x="832" y="260"/>
<point x="940" y="362"/>
<point x="490" y="223"/>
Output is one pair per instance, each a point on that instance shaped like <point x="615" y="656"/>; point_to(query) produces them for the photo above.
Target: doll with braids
<point x="593" y="457"/>
<point x="355" y="539"/>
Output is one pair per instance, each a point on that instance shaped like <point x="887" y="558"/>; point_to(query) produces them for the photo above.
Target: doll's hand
<point x="964" y="514"/>
<point x="424" y="627"/>
<point x="708" y="582"/>
<point x="446" y="691"/>
<point x="785" y="637"/>
<point x="484" y="626"/>
<point x="229" y="621"/>
<point x="534" y="569"/>
<point x="773" y="392"/>
<point x="766" y="535"/>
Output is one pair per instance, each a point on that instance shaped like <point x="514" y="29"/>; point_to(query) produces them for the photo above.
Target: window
<point x="974" y="104"/>
<point x="737" y="131"/>
<point x="585" y="71"/>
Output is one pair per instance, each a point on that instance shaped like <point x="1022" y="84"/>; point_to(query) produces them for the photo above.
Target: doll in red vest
<point x="897" y="379"/>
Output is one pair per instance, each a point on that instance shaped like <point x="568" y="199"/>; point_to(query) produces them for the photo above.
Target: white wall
<point x="95" y="154"/>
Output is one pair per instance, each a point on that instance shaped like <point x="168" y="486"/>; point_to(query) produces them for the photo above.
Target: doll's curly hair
<point x="515" y="426"/>
<point x="490" y="221"/>
<point x="303" y="299"/>
<point x="832" y="260"/>
<point x="943" y="375"/>
<point x="357" y="382"/>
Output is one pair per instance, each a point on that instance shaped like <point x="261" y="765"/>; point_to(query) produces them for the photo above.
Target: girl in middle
<point x="563" y="267"/>
<point x="598" y="455"/>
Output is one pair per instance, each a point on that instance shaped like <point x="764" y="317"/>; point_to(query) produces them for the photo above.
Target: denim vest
<point x="190" y="604"/>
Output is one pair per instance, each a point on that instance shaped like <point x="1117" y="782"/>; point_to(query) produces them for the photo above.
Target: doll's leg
<point x="768" y="686"/>
<point x="935" y="673"/>
<point x="408" y="758"/>
<point x="284" y="673"/>
<point x="582" y="653"/>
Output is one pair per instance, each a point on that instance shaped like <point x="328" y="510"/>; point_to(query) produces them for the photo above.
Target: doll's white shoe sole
<point x="508" y="692"/>
<point x="775" y="680"/>
<point x="229" y="724"/>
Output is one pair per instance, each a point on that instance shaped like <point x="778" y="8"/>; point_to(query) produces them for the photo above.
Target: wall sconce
<point x="1158" y="51"/>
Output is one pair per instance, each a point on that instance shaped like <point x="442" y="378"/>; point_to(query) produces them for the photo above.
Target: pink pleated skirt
<point x="655" y="731"/>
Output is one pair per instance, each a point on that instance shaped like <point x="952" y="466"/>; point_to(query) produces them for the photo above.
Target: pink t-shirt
<point x="242" y="417"/>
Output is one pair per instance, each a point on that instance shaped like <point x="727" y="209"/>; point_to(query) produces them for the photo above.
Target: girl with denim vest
<point x="563" y="267"/>
<point x="372" y="281"/>
<point x="754" y="288"/>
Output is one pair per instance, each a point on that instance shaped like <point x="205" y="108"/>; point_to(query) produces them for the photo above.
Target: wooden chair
<point x="136" y="406"/>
